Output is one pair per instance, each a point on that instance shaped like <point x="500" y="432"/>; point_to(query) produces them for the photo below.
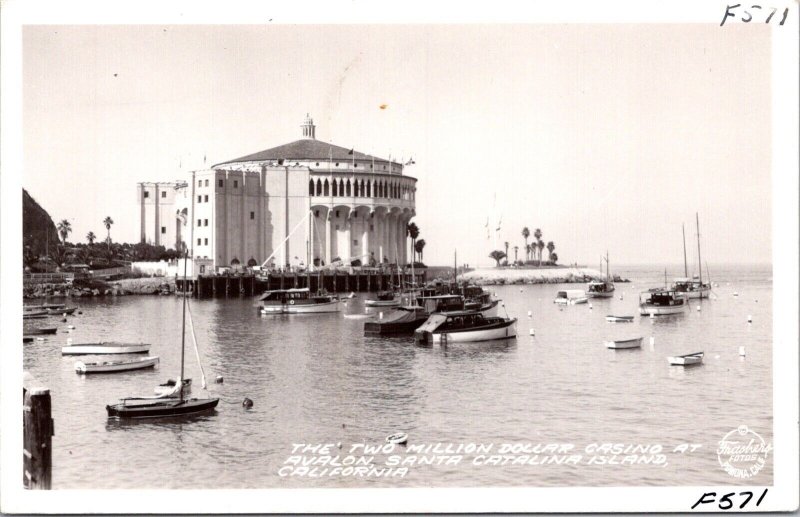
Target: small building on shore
<point x="306" y="204"/>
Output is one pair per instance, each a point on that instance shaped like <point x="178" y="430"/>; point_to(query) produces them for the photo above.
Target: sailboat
<point x="159" y="406"/>
<point x="601" y="288"/>
<point x="692" y="287"/>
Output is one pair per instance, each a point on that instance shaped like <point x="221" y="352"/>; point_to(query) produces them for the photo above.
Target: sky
<point x="607" y="137"/>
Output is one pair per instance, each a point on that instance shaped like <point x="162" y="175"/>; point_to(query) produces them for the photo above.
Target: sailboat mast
<point x="455" y="266"/>
<point x="183" y="325"/>
<point x="685" y="267"/>
<point x="699" y="260"/>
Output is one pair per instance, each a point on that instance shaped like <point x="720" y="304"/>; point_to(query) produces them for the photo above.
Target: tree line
<point x="533" y="251"/>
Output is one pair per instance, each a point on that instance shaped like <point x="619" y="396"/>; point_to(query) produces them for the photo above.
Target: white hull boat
<point x="115" y="366"/>
<point x="621" y="344"/>
<point x="646" y="310"/>
<point x="686" y="360"/>
<point x="570" y="297"/>
<point x="463" y="327"/>
<point x="105" y="348"/>
<point x="296" y="301"/>
<point x="382" y="303"/>
<point x="315" y="308"/>
<point x="619" y="319"/>
<point x="661" y="302"/>
<point x="594" y="294"/>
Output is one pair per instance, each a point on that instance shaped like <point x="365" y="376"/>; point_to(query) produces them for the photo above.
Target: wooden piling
<point x="37" y="433"/>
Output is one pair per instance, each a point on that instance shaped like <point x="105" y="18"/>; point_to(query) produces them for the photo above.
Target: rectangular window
<point x="199" y="183"/>
<point x="337" y="226"/>
<point x="206" y="183"/>
<point x="206" y="199"/>
<point x="146" y="194"/>
<point x="205" y="222"/>
<point x="235" y="184"/>
<point x="163" y="229"/>
<point x="221" y="182"/>
<point x="163" y="194"/>
<point x="199" y="222"/>
<point x="355" y="242"/>
<point x="206" y="241"/>
<point x="337" y="215"/>
<point x="199" y="241"/>
<point x="252" y="215"/>
<point x="199" y="199"/>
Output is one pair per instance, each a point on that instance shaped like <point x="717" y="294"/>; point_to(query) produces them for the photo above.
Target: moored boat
<point x="620" y="344"/>
<point x="464" y="326"/>
<point x="686" y="360"/>
<point x="660" y="302"/>
<point x="570" y="297"/>
<point x="297" y="301"/>
<point x="384" y="299"/>
<point x="619" y="319"/>
<point x="600" y="289"/>
<point x="38" y="331"/>
<point x="34" y="314"/>
<point x="115" y="366"/>
<point x="691" y="287"/>
<point x="105" y="348"/>
<point x="43" y="306"/>
<point x="406" y="319"/>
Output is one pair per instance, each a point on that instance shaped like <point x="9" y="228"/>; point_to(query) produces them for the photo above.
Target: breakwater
<point x="515" y="276"/>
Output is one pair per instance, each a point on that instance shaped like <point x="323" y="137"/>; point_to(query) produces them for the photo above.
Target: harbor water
<point x="316" y="379"/>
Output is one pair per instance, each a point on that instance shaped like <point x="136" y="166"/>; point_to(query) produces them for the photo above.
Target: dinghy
<point x="621" y="344"/>
<point x="619" y="319"/>
<point x="116" y="366"/>
<point x="686" y="360"/>
<point x="105" y="348"/>
<point x="397" y="438"/>
<point x="29" y="315"/>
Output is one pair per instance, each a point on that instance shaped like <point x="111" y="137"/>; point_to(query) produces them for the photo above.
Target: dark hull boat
<point x="160" y="408"/>
<point x="40" y="331"/>
<point x="404" y="320"/>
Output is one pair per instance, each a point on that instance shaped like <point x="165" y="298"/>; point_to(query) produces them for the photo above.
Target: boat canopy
<point x="432" y="323"/>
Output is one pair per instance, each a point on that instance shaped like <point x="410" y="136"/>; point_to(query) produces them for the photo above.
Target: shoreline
<point x="513" y="276"/>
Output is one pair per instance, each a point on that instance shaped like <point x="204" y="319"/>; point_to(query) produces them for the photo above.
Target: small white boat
<point x="397" y="438"/>
<point x="105" y="348"/>
<point x="686" y="360"/>
<point x="463" y="326"/>
<point x="570" y="297"/>
<point x="170" y="388"/>
<point x="619" y="319"/>
<point x="116" y="366"/>
<point x="660" y="302"/>
<point x="620" y="344"/>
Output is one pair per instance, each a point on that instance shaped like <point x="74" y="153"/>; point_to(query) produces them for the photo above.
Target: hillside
<point x="38" y="228"/>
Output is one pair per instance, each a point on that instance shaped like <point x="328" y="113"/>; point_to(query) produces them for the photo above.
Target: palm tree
<point x="540" y="245"/>
<point x="550" y="248"/>
<point x="107" y="222"/>
<point x="516" y="248"/>
<point x="413" y="231"/>
<point x="525" y="234"/>
<point x="64" y="229"/>
<point x="497" y="255"/>
<point x="418" y="247"/>
<point x="537" y="235"/>
<point x="528" y="250"/>
<point x="91" y="237"/>
<point x="554" y="257"/>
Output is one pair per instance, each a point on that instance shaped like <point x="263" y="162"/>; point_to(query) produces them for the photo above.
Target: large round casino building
<point x="305" y="202"/>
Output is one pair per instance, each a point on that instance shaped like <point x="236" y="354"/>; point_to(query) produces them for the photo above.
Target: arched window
<point x="325" y="188"/>
<point x="369" y="188"/>
<point x="335" y="188"/>
<point x="347" y="188"/>
<point x="319" y="188"/>
<point x="341" y="188"/>
<point x="362" y="188"/>
<point x="355" y="188"/>
<point x="310" y="187"/>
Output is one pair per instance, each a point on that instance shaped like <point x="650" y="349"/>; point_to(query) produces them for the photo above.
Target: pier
<point x="235" y="285"/>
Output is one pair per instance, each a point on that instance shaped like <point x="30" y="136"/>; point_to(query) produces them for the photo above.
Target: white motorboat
<point x="464" y="326"/>
<point x="686" y="360"/>
<point x="620" y="344"/>
<point x="570" y="297"/>
<point x="297" y="301"/>
<point x="115" y="366"/>
<point x="619" y="319"/>
<point x="105" y="348"/>
<point x="660" y="302"/>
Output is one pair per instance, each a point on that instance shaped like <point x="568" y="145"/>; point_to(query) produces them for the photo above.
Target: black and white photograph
<point x="326" y="257"/>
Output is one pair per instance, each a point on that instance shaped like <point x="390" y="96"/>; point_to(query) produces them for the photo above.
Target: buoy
<point x="64" y="319"/>
<point x="380" y="315"/>
<point x="530" y="314"/>
<point x="70" y="327"/>
<point x="756" y="301"/>
<point x="749" y="319"/>
<point x="247" y="403"/>
<point x="742" y="351"/>
<point x="652" y="315"/>
<point x="620" y="297"/>
<point x="39" y="339"/>
<point x="532" y="333"/>
<point x="698" y="308"/>
<point x="80" y="312"/>
<point x="590" y="307"/>
<point x="652" y="340"/>
<point x="218" y="379"/>
<point x="736" y="294"/>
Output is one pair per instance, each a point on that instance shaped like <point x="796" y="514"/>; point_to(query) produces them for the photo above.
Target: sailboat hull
<point x="161" y="408"/>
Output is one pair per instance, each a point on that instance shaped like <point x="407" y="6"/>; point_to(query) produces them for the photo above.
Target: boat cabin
<point x="291" y="296"/>
<point x="600" y="286"/>
<point x="441" y="303"/>
<point x="453" y="321"/>
<point x="662" y="298"/>
<point x="686" y="285"/>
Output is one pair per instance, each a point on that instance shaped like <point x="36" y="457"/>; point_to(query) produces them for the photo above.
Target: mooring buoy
<point x="247" y="403"/>
<point x="218" y="379"/>
<point x="531" y="332"/>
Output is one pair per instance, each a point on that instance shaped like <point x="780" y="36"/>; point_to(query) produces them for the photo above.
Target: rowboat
<point x="61" y="310"/>
<point x="27" y="315"/>
<point x="686" y="360"/>
<point x="39" y="331"/>
<point x="621" y="344"/>
<point x="115" y="366"/>
<point x="105" y="348"/>
<point x="397" y="438"/>
<point x="619" y="319"/>
<point x="464" y="326"/>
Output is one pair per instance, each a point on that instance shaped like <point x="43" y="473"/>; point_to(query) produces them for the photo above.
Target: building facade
<point x="303" y="203"/>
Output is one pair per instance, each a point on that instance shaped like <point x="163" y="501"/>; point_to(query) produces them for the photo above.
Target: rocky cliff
<point x="37" y="226"/>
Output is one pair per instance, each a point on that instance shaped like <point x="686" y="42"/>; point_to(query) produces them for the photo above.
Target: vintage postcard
<point x="356" y="257"/>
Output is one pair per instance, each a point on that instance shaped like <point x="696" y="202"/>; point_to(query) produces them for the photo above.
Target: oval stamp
<point x="742" y="452"/>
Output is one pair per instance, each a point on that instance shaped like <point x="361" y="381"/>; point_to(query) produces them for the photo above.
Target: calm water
<point x="309" y="375"/>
